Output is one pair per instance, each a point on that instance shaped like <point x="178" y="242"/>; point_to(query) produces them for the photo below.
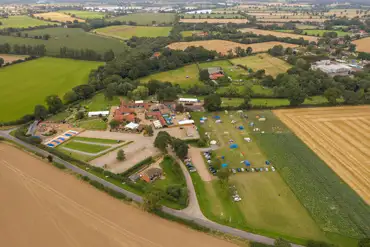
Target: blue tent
<point x="217" y="117"/>
<point x="224" y="165"/>
<point x="247" y="163"/>
<point x="233" y="145"/>
<point x="251" y="124"/>
<point x="267" y="162"/>
<point x="241" y="127"/>
<point x="223" y="157"/>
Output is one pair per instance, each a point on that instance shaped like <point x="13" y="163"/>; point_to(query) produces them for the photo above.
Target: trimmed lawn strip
<point x="84" y="147"/>
<point x="97" y="140"/>
<point x="92" y="124"/>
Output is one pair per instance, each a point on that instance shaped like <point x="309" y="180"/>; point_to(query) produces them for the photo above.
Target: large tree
<point x="332" y="94"/>
<point x="1" y="61"/>
<point x="152" y="200"/>
<point x="180" y="147"/>
<point x="212" y="102"/>
<point x="54" y="103"/>
<point x="40" y="112"/>
<point x="204" y="75"/>
<point x="162" y="140"/>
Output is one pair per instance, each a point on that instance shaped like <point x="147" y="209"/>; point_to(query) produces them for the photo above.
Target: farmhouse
<point x="215" y="73"/>
<point x="151" y="175"/>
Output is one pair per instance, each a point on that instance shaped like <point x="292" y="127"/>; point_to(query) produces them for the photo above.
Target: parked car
<point x="192" y="169"/>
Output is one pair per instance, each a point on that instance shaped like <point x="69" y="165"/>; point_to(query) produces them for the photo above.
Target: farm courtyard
<point x="22" y="87"/>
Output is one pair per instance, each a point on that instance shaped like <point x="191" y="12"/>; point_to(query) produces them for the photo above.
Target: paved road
<point x="184" y="214"/>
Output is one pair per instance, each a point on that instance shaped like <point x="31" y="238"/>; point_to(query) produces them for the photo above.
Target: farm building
<point x="98" y="113"/>
<point x="151" y="174"/>
<point x="187" y="100"/>
<point x="215" y="73"/>
<point x="332" y="68"/>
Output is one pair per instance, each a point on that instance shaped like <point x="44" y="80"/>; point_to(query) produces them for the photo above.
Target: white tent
<point x="132" y="126"/>
<point x="188" y="100"/>
<point x="139" y="101"/>
<point x="213" y="142"/>
<point x="184" y="122"/>
<point x="98" y="113"/>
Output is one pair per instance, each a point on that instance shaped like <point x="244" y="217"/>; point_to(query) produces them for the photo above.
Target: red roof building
<point x="215" y="76"/>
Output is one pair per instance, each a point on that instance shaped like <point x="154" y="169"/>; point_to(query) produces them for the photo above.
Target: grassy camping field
<point x="84" y="14"/>
<point x="73" y="38"/>
<point x="146" y="19"/>
<point x="268" y="205"/>
<point x="272" y="65"/>
<point x="185" y="76"/>
<point x="100" y="103"/>
<point x="126" y="32"/>
<point x="20" y="21"/>
<point x="27" y="84"/>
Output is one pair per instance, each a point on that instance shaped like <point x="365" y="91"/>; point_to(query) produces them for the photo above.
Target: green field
<point x="127" y="32"/>
<point x="96" y="140"/>
<point x="84" y="14"/>
<point x="188" y="33"/>
<point x="145" y="19"/>
<point x="22" y="21"/>
<point x="92" y="124"/>
<point x="213" y="16"/>
<point x="74" y="38"/>
<point x="268" y="205"/>
<point x="272" y="65"/>
<point x="317" y="32"/>
<point x="230" y="70"/>
<point x="185" y="76"/>
<point x="336" y="208"/>
<point x="303" y="26"/>
<point x="100" y="103"/>
<point x="84" y="147"/>
<point x="27" y="84"/>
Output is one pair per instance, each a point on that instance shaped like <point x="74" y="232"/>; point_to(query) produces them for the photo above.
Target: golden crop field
<point x="60" y="17"/>
<point x="362" y="44"/>
<point x="214" y="20"/>
<point x="340" y="136"/>
<point x="292" y="18"/>
<point x="223" y="46"/>
<point x="278" y="34"/>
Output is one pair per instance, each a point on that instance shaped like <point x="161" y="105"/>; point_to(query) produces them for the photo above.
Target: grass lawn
<point x="97" y="140"/>
<point x="268" y="205"/>
<point x="74" y="38"/>
<point x="27" y="84"/>
<point x="59" y="116"/>
<point x="315" y="32"/>
<point x="100" y="103"/>
<point x="185" y="76"/>
<point x="145" y="19"/>
<point x="92" y="124"/>
<point x="126" y="32"/>
<point x="84" y="14"/>
<point x="272" y="65"/>
<point x="84" y="147"/>
<point x="188" y="33"/>
<point x="22" y="21"/>
<point x="172" y="174"/>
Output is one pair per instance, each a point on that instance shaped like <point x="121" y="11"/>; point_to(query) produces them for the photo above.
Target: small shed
<point x="151" y="174"/>
<point x="186" y="122"/>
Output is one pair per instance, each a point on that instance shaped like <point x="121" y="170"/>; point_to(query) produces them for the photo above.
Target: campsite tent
<point x="247" y="163"/>
<point x="217" y="117"/>
<point x="233" y="145"/>
<point x="241" y="127"/>
<point x="132" y="126"/>
<point x="267" y="162"/>
<point x="224" y="165"/>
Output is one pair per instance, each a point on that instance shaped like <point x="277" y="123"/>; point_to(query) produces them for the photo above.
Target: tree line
<point x="36" y="50"/>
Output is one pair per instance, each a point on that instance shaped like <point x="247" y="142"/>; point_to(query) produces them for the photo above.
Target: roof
<point x="131" y="126"/>
<point x="157" y="124"/>
<point x="95" y="113"/>
<point x="153" y="171"/>
<point x="213" y="70"/>
<point x="182" y="122"/>
<point x="215" y="76"/>
<point x="188" y="100"/>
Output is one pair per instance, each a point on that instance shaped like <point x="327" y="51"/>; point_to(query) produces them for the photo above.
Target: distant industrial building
<point x="332" y="68"/>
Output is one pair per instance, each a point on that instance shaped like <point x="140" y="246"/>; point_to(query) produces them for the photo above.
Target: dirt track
<point x="340" y="136"/>
<point x="42" y="206"/>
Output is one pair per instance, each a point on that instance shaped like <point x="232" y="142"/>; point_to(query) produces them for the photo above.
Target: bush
<point x="58" y="165"/>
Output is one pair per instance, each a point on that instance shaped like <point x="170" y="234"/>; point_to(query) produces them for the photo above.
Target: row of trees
<point x="36" y="50"/>
<point x="54" y="105"/>
<point x="86" y="54"/>
<point x="164" y="140"/>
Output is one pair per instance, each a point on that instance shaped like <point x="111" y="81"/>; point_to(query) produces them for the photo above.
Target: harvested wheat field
<point x="223" y="46"/>
<point x="56" y="16"/>
<point x="340" y="136"/>
<point x="278" y="34"/>
<point x="362" y="44"/>
<point x="11" y="58"/>
<point x="214" y="20"/>
<point x="44" y="206"/>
